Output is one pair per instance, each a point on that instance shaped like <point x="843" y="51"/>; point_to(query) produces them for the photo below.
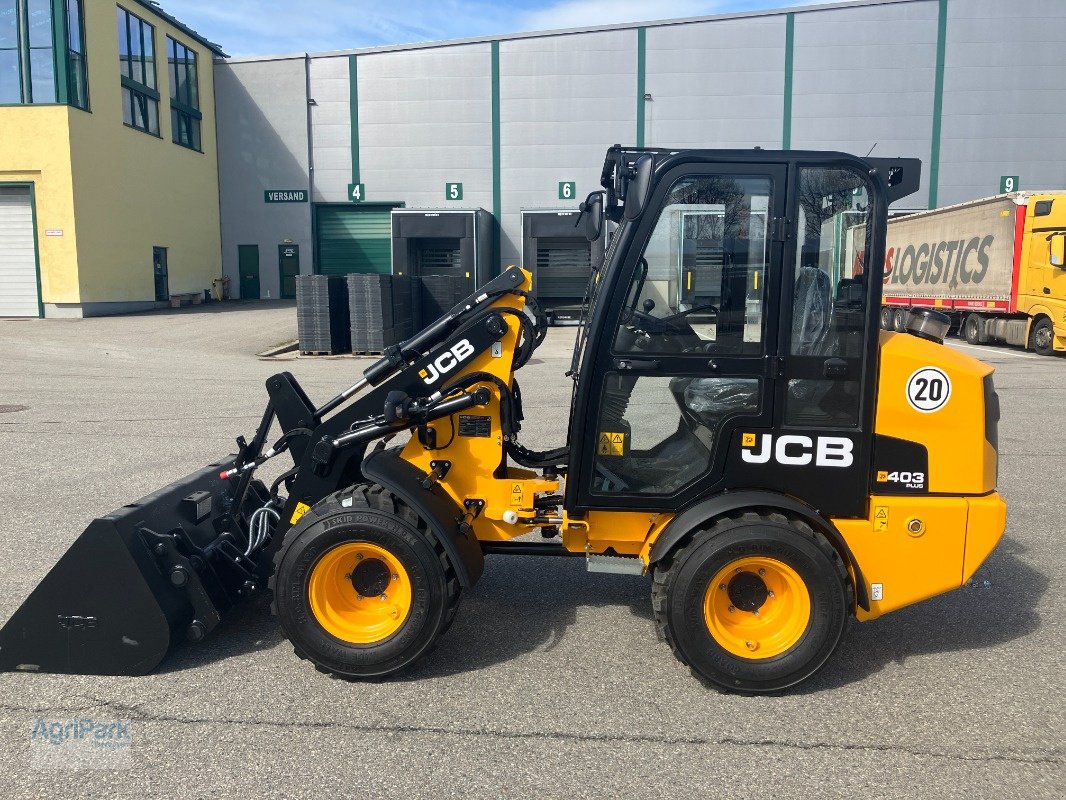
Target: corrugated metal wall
<point x="846" y="78"/>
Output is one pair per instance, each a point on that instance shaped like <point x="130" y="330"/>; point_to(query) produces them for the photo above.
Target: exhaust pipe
<point x="138" y="581"/>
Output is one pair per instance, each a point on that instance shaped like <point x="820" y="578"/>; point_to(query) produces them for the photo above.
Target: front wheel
<point x="1042" y="338"/>
<point x="755" y="604"/>
<point x="360" y="587"/>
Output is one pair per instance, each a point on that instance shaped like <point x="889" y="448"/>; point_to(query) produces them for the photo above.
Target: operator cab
<point x="732" y="311"/>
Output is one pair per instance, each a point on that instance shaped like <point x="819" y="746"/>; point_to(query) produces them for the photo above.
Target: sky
<point x="262" y="27"/>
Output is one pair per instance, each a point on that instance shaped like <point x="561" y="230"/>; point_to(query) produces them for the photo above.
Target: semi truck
<point x="995" y="266"/>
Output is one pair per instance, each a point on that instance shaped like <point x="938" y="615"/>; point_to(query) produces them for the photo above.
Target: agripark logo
<point x="80" y="744"/>
<point x="445" y="363"/>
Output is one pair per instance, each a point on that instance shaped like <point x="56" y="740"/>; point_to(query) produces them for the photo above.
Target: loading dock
<point x="448" y="251"/>
<point x="555" y="250"/>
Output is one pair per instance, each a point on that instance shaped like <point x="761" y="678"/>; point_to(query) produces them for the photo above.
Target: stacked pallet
<point x="322" y="315"/>
<point x="380" y="309"/>
<point x="439" y="295"/>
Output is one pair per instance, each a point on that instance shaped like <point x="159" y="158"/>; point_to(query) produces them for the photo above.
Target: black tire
<point x="372" y="515"/>
<point x="886" y="318"/>
<point x="973" y="329"/>
<point x="899" y="319"/>
<point x="1042" y="337"/>
<point x="682" y="583"/>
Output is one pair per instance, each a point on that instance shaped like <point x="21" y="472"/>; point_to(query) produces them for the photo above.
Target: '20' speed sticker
<point x="928" y="389"/>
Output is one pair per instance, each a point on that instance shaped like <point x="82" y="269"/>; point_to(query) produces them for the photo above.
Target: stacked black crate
<point x="380" y="308"/>
<point x="439" y="295"/>
<point x="322" y="314"/>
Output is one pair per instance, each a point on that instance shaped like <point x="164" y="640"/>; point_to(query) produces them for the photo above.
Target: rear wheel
<point x="754" y="604"/>
<point x="360" y="587"/>
<point x="973" y="329"/>
<point x="886" y="318"/>
<point x="899" y="319"/>
<point x="1042" y="337"/>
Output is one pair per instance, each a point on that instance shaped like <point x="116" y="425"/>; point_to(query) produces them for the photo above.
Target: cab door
<point x="683" y="345"/>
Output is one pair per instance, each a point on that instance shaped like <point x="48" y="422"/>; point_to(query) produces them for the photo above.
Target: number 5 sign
<point x="453" y="191"/>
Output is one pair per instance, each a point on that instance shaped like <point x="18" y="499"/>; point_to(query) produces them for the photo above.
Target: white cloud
<point x="260" y="27"/>
<point x="584" y="13"/>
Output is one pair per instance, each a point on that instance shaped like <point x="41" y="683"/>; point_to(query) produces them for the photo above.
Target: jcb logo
<point x="446" y="362"/>
<point x="797" y="451"/>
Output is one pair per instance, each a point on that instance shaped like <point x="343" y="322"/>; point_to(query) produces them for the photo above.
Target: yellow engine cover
<point x="934" y="396"/>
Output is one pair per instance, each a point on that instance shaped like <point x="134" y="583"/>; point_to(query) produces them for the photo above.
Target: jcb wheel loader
<point x="740" y="429"/>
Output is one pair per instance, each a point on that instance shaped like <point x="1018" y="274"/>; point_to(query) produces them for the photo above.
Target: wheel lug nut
<point x="358" y="556"/>
<point x="756" y="613"/>
<point x="762" y="572"/>
<point x="384" y="596"/>
<point x="732" y="609"/>
<point x="751" y="645"/>
<point x="358" y="597"/>
<point x="769" y="594"/>
<point x="721" y="586"/>
<point x="395" y="577"/>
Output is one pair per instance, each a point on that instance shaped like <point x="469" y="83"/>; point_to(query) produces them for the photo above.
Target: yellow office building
<point x="108" y="166"/>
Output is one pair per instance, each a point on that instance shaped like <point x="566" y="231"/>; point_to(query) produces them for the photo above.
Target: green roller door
<point x="353" y="239"/>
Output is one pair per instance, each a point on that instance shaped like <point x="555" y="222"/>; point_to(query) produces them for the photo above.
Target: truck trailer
<point x="995" y="266"/>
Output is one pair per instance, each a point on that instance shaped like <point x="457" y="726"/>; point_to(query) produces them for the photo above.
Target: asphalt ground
<point x="551" y="682"/>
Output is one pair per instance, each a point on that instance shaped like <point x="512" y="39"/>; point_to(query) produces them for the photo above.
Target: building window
<point x="42" y="52"/>
<point x="10" y="72"/>
<point x="77" y="80"/>
<point x="136" y="56"/>
<point x="184" y="95"/>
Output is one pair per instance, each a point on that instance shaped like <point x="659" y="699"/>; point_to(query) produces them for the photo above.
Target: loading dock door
<point x="563" y="268"/>
<point x="555" y="250"/>
<point x="353" y="238"/>
<point x="18" y="260"/>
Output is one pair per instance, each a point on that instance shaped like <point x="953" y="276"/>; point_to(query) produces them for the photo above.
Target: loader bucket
<point x="135" y="582"/>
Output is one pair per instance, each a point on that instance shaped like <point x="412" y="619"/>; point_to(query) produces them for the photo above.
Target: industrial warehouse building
<point x="457" y="157"/>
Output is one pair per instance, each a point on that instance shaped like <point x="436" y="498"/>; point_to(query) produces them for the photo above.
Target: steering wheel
<point x="673" y="325"/>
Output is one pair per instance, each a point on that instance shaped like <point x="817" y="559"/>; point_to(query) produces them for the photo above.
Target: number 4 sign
<point x="356" y="192"/>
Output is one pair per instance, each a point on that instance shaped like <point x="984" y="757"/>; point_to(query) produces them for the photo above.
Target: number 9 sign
<point x="928" y="390"/>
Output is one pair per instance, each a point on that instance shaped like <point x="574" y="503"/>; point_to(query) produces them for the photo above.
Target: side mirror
<point x="593" y="208"/>
<point x="1058" y="250"/>
<point x="639" y="189"/>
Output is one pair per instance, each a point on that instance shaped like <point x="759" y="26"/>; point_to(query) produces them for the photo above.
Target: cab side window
<point x="700" y="284"/>
<point x="829" y="299"/>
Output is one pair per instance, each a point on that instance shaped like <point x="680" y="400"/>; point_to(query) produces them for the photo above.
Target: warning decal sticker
<point x="611" y="444"/>
<point x="301" y="509"/>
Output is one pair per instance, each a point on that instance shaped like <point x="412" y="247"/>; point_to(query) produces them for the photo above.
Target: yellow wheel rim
<point x="757" y="607"/>
<point x="360" y="593"/>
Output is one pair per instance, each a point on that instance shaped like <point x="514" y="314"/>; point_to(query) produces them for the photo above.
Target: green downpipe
<point x="938" y="101"/>
<point x="353" y="102"/>
<point x="642" y="62"/>
<point x="496" y="212"/>
<point x="786" y="113"/>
